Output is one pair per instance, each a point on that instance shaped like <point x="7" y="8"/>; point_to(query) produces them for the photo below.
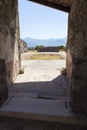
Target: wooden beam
<point x="53" y="5"/>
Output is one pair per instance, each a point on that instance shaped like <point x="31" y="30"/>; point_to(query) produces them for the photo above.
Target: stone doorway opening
<point x="42" y="78"/>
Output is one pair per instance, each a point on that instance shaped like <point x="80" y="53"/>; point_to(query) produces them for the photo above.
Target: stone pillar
<point x="3" y="83"/>
<point x="77" y="48"/>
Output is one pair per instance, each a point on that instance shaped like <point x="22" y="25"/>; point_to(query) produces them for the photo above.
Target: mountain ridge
<point x="45" y="42"/>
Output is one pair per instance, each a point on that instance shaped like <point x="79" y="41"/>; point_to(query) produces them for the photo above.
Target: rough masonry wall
<point x="48" y="49"/>
<point x="77" y="58"/>
<point x="23" y="46"/>
<point x="9" y="37"/>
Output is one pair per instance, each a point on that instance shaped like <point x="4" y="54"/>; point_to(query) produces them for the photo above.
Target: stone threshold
<point x="40" y="109"/>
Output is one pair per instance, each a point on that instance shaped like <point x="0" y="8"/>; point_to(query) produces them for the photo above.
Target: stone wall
<point x="77" y="48"/>
<point x="9" y="38"/>
<point x="48" y="49"/>
<point x="23" y="46"/>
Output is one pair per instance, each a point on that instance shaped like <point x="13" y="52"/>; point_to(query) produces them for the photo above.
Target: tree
<point x="62" y="48"/>
<point x="38" y="47"/>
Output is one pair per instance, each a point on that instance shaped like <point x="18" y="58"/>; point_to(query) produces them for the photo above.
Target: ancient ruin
<point x="48" y="49"/>
<point x="9" y="42"/>
<point x="76" y="60"/>
<point x="23" y="46"/>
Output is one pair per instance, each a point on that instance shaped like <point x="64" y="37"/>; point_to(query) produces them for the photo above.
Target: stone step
<point x="40" y="109"/>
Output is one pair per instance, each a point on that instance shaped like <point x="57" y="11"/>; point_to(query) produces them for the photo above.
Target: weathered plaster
<point x="9" y="37"/>
<point x="9" y="45"/>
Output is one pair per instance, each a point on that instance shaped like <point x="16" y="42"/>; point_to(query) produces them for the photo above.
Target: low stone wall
<point x="48" y="49"/>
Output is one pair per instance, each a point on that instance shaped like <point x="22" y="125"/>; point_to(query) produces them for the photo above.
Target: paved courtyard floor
<point x="41" y="79"/>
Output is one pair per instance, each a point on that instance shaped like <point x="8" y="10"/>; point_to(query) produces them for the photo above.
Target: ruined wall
<point x="48" y="49"/>
<point x="9" y="37"/>
<point x="23" y="46"/>
<point x="77" y="58"/>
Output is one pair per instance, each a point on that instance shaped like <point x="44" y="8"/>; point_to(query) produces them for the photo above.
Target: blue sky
<point x="41" y="22"/>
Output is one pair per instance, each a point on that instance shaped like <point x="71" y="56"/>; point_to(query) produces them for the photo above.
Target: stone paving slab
<point x="51" y="89"/>
<point x="35" y="74"/>
<point x="41" y="93"/>
<point x="45" y="64"/>
<point x="23" y="94"/>
<point x="41" y="78"/>
<point x="38" y="109"/>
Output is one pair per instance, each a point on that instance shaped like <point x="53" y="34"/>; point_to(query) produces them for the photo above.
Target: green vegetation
<point x="31" y="48"/>
<point x="61" y="48"/>
<point x="63" y="71"/>
<point x="38" y="47"/>
<point x="44" y="57"/>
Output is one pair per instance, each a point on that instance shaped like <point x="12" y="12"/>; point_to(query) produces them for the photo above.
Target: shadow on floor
<point x="58" y="87"/>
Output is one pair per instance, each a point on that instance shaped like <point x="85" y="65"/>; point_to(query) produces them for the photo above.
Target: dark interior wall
<point x="77" y="55"/>
<point x="9" y="37"/>
<point x="3" y="83"/>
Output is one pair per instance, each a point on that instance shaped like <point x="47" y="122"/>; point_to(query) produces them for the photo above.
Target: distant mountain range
<point x="45" y="42"/>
